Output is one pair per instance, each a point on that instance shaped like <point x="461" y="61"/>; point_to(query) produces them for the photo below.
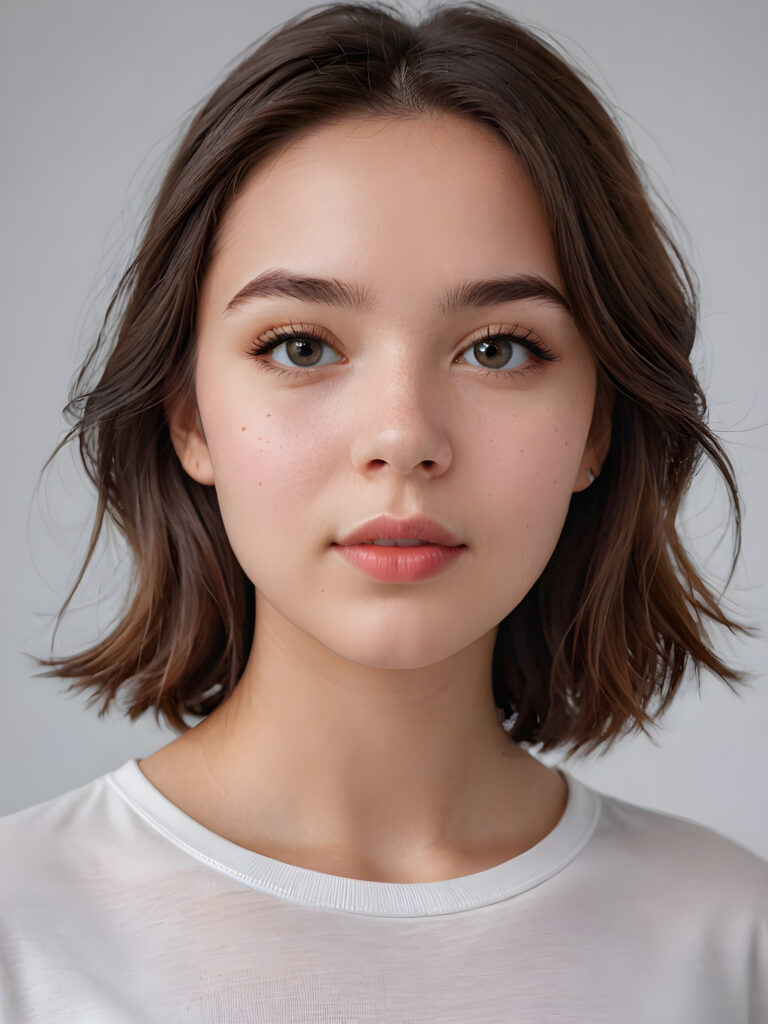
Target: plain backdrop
<point x="95" y="94"/>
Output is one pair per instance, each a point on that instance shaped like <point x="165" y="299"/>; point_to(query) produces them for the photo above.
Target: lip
<point x="391" y="564"/>
<point x="408" y="528"/>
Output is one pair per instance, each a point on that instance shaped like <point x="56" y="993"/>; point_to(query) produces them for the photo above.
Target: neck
<point x="383" y="772"/>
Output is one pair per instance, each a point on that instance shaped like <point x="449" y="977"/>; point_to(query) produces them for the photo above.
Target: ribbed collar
<point x="357" y="896"/>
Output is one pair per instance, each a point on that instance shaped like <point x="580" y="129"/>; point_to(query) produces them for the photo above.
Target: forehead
<point x="399" y="201"/>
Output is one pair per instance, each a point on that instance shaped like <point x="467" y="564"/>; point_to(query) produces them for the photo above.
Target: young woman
<point x="396" y="418"/>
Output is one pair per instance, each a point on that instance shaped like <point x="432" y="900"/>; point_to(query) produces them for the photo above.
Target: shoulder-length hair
<point x="620" y="610"/>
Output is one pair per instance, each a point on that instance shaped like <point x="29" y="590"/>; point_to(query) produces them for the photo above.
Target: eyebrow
<point x="332" y="292"/>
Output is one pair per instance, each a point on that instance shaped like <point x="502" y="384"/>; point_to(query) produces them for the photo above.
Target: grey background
<point x="94" y="95"/>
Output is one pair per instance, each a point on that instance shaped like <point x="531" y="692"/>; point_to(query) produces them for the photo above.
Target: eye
<point x="302" y="348"/>
<point x="506" y="349"/>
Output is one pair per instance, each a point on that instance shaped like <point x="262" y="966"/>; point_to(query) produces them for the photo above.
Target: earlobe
<point x="188" y="439"/>
<point x="588" y="470"/>
<point x="599" y="441"/>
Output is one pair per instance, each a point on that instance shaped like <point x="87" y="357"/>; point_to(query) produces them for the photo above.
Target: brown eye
<point x="500" y="353"/>
<point x="304" y="350"/>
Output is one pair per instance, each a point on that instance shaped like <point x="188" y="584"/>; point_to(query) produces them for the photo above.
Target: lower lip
<point x="400" y="565"/>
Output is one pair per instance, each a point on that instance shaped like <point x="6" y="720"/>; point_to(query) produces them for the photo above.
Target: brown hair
<point x="620" y="609"/>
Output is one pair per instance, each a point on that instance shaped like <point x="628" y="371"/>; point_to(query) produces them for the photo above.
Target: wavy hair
<point x="620" y="609"/>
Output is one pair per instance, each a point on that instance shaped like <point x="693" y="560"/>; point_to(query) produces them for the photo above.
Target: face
<point x="399" y="406"/>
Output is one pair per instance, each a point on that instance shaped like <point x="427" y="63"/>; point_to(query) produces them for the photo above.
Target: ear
<point x="599" y="438"/>
<point x="188" y="440"/>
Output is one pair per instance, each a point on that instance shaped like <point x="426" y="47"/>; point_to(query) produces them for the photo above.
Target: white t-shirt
<point x="118" y="908"/>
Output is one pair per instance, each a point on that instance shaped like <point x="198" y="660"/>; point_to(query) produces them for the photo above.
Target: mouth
<point x="397" y="544"/>
<point x="391" y="562"/>
<point x="390" y="531"/>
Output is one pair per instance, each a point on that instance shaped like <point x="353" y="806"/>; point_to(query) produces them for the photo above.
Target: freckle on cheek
<point x="243" y="428"/>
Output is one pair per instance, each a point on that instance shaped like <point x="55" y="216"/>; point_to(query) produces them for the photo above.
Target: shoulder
<point x="682" y="864"/>
<point x="44" y="845"/>
<point x="61" y="862"/>
<point x="67" y="901"/>
<point x="65" y="811"/>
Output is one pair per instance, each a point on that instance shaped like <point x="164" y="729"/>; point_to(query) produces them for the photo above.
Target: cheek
<point x="526" y="479"/>
<point x="270" y="468"/>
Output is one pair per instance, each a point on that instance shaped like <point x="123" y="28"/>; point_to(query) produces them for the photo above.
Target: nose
<point x="404" y="424"/>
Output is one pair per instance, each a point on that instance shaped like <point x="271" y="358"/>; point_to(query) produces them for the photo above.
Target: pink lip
<point x="392" y="564"/>
<point x="394" y="528"/>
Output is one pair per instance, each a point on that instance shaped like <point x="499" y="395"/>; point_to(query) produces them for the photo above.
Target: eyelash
<point x="527" y="339"/>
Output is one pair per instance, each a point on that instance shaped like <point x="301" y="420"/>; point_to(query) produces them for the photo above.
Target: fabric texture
<point x="117" y="907"/>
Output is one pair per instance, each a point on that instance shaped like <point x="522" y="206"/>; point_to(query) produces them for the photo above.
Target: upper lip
<point x="386" y="527"/>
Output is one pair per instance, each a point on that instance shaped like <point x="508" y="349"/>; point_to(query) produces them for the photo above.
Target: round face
<point x="405" y="384"/>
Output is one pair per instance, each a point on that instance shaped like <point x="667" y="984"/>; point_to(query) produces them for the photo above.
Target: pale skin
<point x="362" y="738"/>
